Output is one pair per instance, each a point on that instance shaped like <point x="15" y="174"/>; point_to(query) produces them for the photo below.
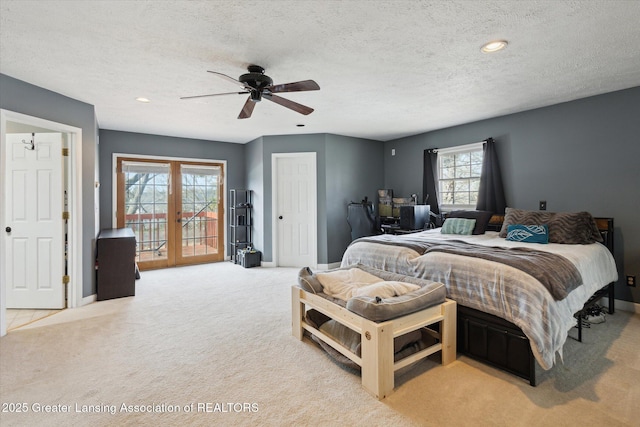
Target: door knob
<point x="8" y="229"/>
<point x="280" y="217"/>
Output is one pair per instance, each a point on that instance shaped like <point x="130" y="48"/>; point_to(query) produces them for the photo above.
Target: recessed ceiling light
<point x="142" y="99"/>
<point x="494" y="46"/>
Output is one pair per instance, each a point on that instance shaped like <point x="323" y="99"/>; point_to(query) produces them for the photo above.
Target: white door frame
<point x="274" y="207"/>
<point x="74" y="197"/>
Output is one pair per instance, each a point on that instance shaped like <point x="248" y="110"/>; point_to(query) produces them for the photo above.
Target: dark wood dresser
<point x="116" y="263"/>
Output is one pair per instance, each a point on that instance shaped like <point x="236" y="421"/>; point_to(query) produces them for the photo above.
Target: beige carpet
<point x="214" y="343"/>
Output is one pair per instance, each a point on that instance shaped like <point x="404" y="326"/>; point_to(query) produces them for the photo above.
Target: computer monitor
<point x="414" y="217"/>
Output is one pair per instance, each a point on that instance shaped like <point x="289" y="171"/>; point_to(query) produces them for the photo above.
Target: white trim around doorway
<point x="75" y="261"/>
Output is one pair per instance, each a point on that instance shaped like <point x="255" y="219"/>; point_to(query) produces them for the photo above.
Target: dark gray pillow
<point x="308" y="281"/>
<point x="379" y="310"/>
<point x="430" y="293"/>
<point x="403" y="345"/>
<point x="482" y="219"/>
<point x="573" y="228"/>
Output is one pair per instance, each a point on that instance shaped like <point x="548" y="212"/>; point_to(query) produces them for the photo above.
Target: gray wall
<point x="156" y="145"/>
<point x="25" y="98"/>
<point x="290" y="144"/>
<point x="254" y="166"/>
<point x="578" y="156"/>
<point x="348" y="170"/>
<point x="354" y="171"/>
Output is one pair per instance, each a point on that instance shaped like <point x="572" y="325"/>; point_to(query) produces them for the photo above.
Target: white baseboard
<point x="623" y="305"/>
<point x="321" y="267"/>
<point x="329" y="266"/>
<point x="88" y="300"/>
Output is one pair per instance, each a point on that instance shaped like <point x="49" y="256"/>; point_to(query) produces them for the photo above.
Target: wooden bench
<point x="377" y="352"/>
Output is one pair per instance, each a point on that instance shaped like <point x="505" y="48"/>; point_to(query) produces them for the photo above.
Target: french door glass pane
<point x="146" y="207"/>
<point x="199" y="213"/>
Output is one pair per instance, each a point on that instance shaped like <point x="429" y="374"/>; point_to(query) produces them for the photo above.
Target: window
<point x="459" y="170"/>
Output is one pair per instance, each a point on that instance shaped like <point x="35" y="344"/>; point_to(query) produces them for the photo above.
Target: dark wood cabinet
<point x="116" y="264"/>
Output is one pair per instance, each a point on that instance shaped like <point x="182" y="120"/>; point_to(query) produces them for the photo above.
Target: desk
<point x="395" y="229"/>
<point x="401" y="231"/>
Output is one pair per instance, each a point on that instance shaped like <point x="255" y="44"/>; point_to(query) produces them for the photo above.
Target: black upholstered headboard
<point x="605" y="226"/>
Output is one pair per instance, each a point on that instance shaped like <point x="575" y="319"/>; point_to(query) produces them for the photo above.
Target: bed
<point x="506" y="316"/>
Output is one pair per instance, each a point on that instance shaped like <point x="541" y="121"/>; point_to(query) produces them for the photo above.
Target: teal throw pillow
<point x="458" y="226"/>
<point x="528" y="233"/>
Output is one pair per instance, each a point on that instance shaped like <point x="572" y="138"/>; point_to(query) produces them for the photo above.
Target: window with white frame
<point x="459" y="170"/>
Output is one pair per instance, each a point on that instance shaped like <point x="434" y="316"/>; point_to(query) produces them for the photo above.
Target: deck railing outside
<point x="199" y="229"/>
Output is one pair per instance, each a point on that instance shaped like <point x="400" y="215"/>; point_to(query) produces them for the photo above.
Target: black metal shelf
<point x="240" y="222"/>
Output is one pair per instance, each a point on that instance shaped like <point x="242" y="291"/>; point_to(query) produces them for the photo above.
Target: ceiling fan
<point x="260" y="86"/>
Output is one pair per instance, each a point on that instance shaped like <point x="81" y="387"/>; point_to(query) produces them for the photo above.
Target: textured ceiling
<point x="386" y="69"/>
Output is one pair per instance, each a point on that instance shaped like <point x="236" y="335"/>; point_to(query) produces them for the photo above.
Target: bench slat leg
<point x="448" y="328"/>
<point x="297" y="311"/>
<point x="377" y="360"/>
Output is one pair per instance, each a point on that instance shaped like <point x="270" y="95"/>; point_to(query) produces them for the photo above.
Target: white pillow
<point x="341" y="283"/>
<point x="386" y="289"/>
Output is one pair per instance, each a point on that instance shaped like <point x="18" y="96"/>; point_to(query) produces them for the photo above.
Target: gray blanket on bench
<point x="556" y="273"/>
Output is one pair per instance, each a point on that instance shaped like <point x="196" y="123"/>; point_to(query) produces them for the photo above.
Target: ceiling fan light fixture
<point x="256" y="95"/>
<point x="260" y="86"/>
<point x="494" y="46"/>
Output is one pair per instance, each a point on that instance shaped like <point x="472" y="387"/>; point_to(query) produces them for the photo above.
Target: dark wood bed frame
<point x="497" y="342"/>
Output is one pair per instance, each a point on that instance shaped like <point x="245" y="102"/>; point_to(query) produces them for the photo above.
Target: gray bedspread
<point x="556" y="273"/>
<point x="494" y="287"/>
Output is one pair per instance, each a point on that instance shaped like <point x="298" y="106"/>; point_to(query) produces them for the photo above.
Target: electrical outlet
<point x="543" y="205"/>
<point x="631" y="281"/>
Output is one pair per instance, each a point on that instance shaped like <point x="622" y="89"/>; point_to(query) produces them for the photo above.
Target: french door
<point x="174" y="208"/>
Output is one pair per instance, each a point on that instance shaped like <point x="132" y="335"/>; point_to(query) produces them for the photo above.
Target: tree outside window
<point x="459" y="172"/>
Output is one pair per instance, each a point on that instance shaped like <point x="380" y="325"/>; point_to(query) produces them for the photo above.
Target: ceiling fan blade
<point x="212" y="94"/>
<point x="229" y="78"/>
<point x="294" y="87"/>
<point x="299" y="108"/>
<point x="247" y="109"/>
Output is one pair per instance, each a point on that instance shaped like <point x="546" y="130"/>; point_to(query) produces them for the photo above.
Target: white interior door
<point x="34" y="243"/>
<point x="296" y="212"/>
